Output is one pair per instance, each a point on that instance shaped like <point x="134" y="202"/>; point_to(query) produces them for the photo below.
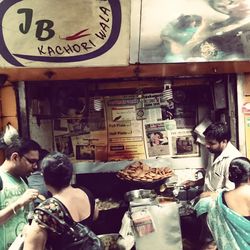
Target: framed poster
<point x="191" y="31"/>
<point x="64" y="145"/>
<point x="182" y="143"/>
<point x="85" y="152"/>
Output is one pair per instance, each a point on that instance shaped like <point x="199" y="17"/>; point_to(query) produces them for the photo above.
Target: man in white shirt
<point x="217" y="173"/>
<point x="217" y="137"/>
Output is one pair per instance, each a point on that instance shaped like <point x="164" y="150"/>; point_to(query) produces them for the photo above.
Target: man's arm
<point x="11" y="210"/>
<point x="189" y="183"/>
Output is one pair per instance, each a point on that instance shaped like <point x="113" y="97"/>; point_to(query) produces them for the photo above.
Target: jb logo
<point x="57" y="31"/>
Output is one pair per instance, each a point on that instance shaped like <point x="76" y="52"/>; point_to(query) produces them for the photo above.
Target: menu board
<point x="125" y="133"/>
<point x="126" y="149"/>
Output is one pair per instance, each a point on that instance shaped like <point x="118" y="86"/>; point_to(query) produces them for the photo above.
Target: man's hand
<point x="28" y="196"/>
<point x="11" y="210"/>
<point x="187" y="184"/>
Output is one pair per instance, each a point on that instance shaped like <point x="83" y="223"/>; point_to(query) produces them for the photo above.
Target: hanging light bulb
<point x="167" y="95"/>
<point x="97" y="100"/>
<point x="98" y="104"/>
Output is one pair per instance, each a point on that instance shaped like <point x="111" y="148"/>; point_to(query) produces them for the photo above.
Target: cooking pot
<point x="140" y="195"/>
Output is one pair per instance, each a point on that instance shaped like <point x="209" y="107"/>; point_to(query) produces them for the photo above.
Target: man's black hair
<point x="217" y="131"/>
<point x="21" y="146"/>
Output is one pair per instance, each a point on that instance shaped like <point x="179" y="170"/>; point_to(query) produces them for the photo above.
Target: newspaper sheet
<point x="156" y="140"/>
<point x="182" y="143"/>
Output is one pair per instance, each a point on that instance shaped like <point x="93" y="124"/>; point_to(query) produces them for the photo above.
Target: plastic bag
<point x="18" y="243"/>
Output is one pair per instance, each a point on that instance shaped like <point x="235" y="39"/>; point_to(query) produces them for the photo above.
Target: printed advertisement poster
<point x="70" y="126"/>
<point x="60" y="127"/>
<point x="125" y="140"/>
<point x="125" y="133"/>
<point x="153" y="115"/>
<point x="124" y="129"/>
<point x="152" y="100"/>
<point x="156" y="140"/>
<point x="192" y="31"/>
<point x="182" y="143"/>
<point x="126" y="149"/>
<point x="125" y="113"/>
<point x="91" y="146"/>
<point x="152" y="108"/>
<point x="118" y="107"/>
<point x="97" y="119"/>
<point x="185" y="115"/>
<point x="85" y="152"/>
<point x="64" y="145"/>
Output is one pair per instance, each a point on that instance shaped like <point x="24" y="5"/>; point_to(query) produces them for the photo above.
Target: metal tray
<point x="136" y="184"/>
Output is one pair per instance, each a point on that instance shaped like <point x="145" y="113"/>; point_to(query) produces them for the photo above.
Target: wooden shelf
<point x="130" y="71"/>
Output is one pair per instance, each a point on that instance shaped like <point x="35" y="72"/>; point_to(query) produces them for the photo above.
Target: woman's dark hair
<point x="21" y="146"/>
<point x="57" y="170"/>
<point x="185" y="21"/>
<point x="217" y="131"/>
<point x="239" y="170"/>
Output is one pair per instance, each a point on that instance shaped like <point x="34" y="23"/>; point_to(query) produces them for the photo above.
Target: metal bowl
<point x="140" y="194"/>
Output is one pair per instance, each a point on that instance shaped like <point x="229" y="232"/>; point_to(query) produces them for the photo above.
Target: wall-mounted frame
<point x="192" y="31"/>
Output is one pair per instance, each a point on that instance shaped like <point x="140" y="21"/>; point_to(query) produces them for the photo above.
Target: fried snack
<point x="107" y="204"/>
<point x="41" y="197"/>
<point x="139" y="171"/>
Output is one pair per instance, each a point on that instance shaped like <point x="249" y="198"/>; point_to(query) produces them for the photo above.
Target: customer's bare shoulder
<point x="239" y="196"/>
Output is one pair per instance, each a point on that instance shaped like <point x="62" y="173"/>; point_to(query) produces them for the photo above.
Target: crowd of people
<point x="219" y="180"/>
<point x="29" y="171"/>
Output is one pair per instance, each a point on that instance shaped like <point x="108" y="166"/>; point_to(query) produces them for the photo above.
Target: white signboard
<point x="64" y="33"/>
